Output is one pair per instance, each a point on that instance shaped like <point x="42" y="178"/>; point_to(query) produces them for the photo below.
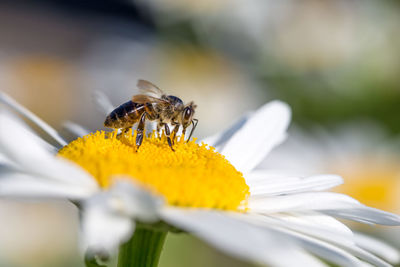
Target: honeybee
<point x="154" y="105"/>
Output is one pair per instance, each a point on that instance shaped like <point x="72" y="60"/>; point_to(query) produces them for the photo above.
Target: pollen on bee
<point x="195" y="175"/>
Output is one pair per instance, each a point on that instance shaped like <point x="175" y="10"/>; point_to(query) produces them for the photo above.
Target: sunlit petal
<point x="135" y="201"/>
<point x="264" y="130"/>
<point x="29" y="153"/>
<point x="377" y="247"/>
<point x="26" y="186"/>
<point x="6" y="99"/>
<point x="218" y="140"/>
<point x="322" y="229"/>
<point x="76" y="129"/>
<point x="103" y="102"/>
<point x="302" y="201"/>
<point x="262" y="183"/>
<point x="103" y="229"/>
<point x="250" y="242"/>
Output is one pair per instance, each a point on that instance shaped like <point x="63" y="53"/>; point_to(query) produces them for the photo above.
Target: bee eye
<point x="187" y="113"/>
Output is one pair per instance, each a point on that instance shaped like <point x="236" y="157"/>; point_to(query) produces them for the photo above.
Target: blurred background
<point x="337" y="63"/>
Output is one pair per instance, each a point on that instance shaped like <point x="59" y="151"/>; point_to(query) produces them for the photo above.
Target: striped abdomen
<point x="127" y="114"/>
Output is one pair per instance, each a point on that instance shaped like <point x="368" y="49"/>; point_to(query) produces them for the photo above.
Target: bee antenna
<point x="192" y="104"/>
<point x="194" y="127"/>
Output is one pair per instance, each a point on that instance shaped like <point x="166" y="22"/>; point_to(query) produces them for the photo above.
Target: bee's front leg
<point x="183" y="131"/>
<point x="174" y="132"/>
<point x="159" y="125"/>
<point x="168" y="133"/>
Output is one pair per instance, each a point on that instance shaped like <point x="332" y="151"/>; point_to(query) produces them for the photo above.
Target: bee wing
<point x="142" y="99"/>
<point x="148" y="88"/>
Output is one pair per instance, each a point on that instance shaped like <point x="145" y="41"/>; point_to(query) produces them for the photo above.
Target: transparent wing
<point x="142" y="99"/>
<point x="148" y="88"/>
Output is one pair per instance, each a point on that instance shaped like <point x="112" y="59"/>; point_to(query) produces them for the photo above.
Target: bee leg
<point x="174" y="132"/>
<point x="139" y="130"/>
<point x="159" y="125"/>
<point x="184" y="132"/>
<point x="168" y="133"/>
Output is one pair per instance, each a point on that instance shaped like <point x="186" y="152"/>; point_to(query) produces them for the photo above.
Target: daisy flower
<point x="130" y="200"/>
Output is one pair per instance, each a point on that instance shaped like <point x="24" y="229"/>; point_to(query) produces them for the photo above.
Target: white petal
<point x="312" y="223"/>
<point x="17" y="139"/>
<point x="76" y="129"/>
<point x="303" y="201"/>
<point x="69" y="172"/>
<point x="315" y="245"/>
<point x="27" y="151"/>
<point x="324" y="249"/>
<point x="365" y="214"/>
<point x="5" y="162"/>
<point x="219" y="139"/>
<point x="134" y="201"/>
<point x="25" y="186"/>
<point x="320" y="228"/>
<point x="239" y="238"/>
<point x="103" y="230"/>
<point x="261" y="183"/>
<point x="337" y="205"/>
<point x="29" y="115"/>
<point x="103" y="102"/>
<point x="108" y="217"/>
<point x="265" y="129"/>
<point x="378" y="247"/>
<point x="6" y="116"/>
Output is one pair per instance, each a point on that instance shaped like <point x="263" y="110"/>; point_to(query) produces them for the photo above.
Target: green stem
<point x="143" y="249"/>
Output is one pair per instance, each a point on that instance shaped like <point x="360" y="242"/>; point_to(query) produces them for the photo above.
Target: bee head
<point x="187" y="114"/>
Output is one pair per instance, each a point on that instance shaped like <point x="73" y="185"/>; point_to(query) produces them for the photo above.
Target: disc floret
<point x="192" y="176"/>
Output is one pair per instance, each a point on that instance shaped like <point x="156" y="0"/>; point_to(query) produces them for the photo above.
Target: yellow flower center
<point x="192" y="176"/>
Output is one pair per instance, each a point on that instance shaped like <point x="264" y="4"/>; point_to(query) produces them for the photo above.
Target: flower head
<point x="193" y="176"/>
<point x="256" y="214"/>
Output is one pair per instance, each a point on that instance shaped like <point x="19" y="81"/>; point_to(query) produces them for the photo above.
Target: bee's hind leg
<point x="139" y="130"/>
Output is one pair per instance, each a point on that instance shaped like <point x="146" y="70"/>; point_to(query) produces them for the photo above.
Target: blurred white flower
<point x="286" y="222"/>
